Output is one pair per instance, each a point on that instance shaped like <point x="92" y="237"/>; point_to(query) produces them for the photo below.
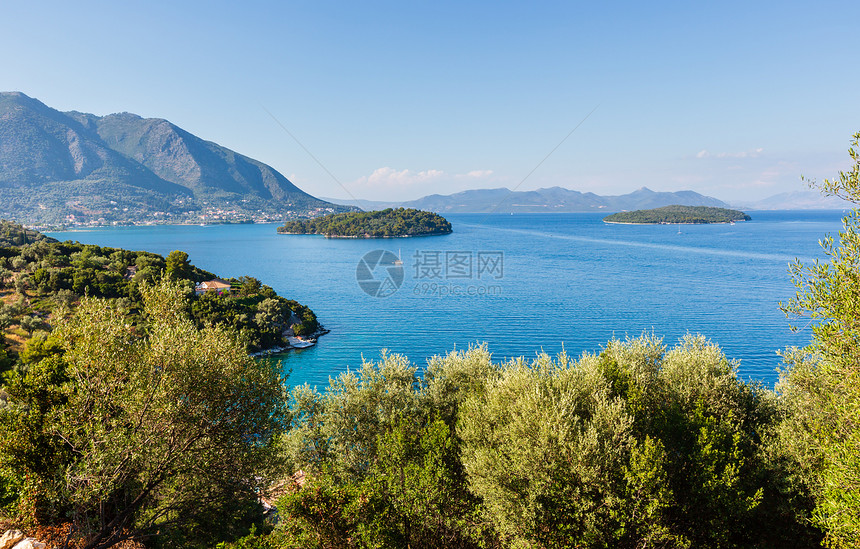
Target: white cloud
<point x="389" y="180"/>
<point x="478" y="174"/>
<point x="389" y="177"/>
<point x="754" y="153"/>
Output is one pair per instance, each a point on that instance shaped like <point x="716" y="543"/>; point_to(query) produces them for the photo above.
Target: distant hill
<point x="554" y="199"/>
<point x="76" y="167"/>
<point x="798" y="200"/>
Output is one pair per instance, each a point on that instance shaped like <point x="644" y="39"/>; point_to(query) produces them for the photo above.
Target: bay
<point x="523" y="284"/>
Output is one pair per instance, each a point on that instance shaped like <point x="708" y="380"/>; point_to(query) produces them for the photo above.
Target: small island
<point x="678" y="214"/>
<point x="388" y="223"/>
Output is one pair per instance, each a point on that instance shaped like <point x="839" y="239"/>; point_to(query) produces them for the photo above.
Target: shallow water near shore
<point x="524" y="284"/>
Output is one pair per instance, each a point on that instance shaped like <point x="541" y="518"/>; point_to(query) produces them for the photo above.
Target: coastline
<point x="365" y="237"/>
<point x="674" y="222"/>
<point x="312" y="340"/>
<point x="87" y="227"/>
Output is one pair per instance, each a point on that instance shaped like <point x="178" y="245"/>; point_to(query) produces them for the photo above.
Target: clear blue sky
<point x="402" y="99"/>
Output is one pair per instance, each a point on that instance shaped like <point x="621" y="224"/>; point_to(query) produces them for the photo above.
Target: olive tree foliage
<point x="340" y="427"/>
<point x="167" y="433"/>
<point x="821" y="387"/>
<point x="636" y="446"/>
<point x="383" y="458"/>
<point x="545" y="449"/>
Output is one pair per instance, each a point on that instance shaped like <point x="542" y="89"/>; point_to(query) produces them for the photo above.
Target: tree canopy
<point x="375" y="224"/>
<point x="130" y="433"/>
<point x="821" y="388"/>
<point x="678" y="214"/>
<point x="47" y="275"/>
<point x="636" y="446"/>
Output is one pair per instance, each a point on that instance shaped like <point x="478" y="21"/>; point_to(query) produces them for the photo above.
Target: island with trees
<point x="388" y="223"/>
<point x="678" y="214"/>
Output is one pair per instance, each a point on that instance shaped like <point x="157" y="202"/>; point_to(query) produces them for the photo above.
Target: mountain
<point x="554" y="199"/>
<point x="799" y="200"/>
<point x="75" y="167"/>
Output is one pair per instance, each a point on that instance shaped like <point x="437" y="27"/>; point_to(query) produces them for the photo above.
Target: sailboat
<point x="398" y="261"/>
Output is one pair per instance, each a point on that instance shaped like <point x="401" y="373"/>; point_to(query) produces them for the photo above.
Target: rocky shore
<point x="293" y="342"/>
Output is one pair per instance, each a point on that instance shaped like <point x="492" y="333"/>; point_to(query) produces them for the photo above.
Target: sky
<point x="396" y="100"/>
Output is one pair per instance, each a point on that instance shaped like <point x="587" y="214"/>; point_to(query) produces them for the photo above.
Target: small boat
<point x="398" y="261"/>
<point x="299" y="343"/>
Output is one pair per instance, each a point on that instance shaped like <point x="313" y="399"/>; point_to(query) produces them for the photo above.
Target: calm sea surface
<point x="522" y="283"/>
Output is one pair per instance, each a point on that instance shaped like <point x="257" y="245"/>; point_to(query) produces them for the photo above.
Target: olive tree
<point x="165" y="433"/>
<point x="633" y="447"/>
<point x="821" y="388"/>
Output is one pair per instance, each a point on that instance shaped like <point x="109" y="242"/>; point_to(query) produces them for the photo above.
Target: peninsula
<point x="388" y="223"/>
<point x="678" y="214"/>
<point x="41" y="279"/>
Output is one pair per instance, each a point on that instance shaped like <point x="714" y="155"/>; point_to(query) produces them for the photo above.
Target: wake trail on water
<point x="649" y="245"/>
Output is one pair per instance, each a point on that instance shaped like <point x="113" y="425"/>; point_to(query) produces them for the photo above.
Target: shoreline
<point x="365" y="237"/>
<point x="75" y="228"/>
<point x="674" y="222"/>
<point x="312" y="339"/>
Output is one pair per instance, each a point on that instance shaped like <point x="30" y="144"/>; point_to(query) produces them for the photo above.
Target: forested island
<point x="388" y="223"/>
<point x="678" y="214"/>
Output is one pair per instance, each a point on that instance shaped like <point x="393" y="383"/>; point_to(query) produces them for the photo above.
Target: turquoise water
<point x="547" y="282"/>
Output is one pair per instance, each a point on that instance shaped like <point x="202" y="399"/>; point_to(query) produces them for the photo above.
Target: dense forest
<point x="392" y="222"/>
<point x="132" y="423"/>
<point x="40" y="278"/>
<point x="678" y="214"/>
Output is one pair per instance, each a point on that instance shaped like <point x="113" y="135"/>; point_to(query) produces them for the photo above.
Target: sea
<point x="522" y="284"/>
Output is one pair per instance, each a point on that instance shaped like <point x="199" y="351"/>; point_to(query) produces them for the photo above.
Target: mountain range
<point x="558" y="199"/>
<point x="797" y="200"/>
<point x="73" y="167"/>
<point x="554" y="199"/>
<point x="76" y="168"/>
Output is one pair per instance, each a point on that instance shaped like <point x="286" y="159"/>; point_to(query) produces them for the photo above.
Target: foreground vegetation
<point x="163" y="431"/>
<point x="128" y="433"/>
<point x="678" y="214"/>
<point x="377" y="224"/>
<point x="636" y="446"/>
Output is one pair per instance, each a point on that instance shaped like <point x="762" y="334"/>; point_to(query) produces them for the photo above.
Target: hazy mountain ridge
<point x="60" y="167"/>
<point x="553" y="199"/>
<point x="798" y="200"/>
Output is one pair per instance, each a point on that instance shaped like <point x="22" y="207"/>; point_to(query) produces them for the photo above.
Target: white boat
<point x="299" y="343"/>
